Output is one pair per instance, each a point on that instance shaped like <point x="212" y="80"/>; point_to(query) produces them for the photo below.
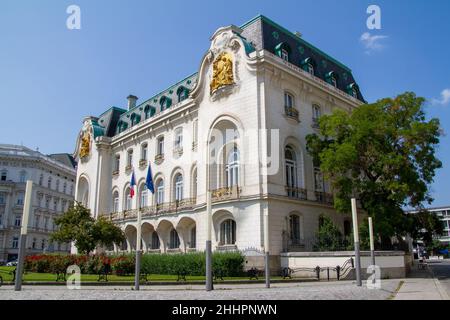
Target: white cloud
<point x="372" y="42"/>
<point x="444" y="99"/>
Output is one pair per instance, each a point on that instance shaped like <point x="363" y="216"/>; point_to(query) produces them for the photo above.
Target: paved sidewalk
<point x="337" y="290"/>
<point x="421" y="285"/>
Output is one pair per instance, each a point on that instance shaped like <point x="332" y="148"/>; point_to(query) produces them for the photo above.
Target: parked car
<point x="12" y="263"/>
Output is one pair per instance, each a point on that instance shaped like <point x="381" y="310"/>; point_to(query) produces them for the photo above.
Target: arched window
<point x="178" y="187"/>
<point x="128" y="199"/>
<point x="182" y="93"/>
<point x="165" y="103"/>
<point x="294" y="229"/>
<point x="174" y="241"/>
<point x="228" y="232"/>
<point x="122" y="126"/>
<point x="291" y="171"/>
<point x="135" y="118"/>
<point x="3" y="175"/>
<point x="143" y="198"/>
<point x="115" y="201"/>
<point x="316" y="113"/>
<point x="160" y="192"/>
<point x="232" y="168"/>
<point x="149" y="111"/>
<point x="155" y="240"/>
<point x="193" y="242"/>
<point x="23" y="176"/>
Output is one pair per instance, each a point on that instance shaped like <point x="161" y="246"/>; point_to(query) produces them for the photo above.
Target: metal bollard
<point x="318" y="272"/>
<point x="338" y="272"/>
<point x="328" y="273"/>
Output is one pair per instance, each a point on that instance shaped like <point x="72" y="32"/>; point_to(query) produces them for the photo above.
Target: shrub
<point x="230" y="263"/>
<point x="123" y="265"/>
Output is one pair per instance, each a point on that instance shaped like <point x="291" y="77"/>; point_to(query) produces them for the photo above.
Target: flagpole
<point x="138" y="236"/>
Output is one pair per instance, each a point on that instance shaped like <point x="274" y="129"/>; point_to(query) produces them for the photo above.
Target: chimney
<point x="131" y="101"/>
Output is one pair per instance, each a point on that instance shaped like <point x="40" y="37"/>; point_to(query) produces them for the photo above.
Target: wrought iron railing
<point x="226" y="193"/>
<point x="291" y="112"/>
<point x="324" y="197"/>
<point x="297" y="193"/>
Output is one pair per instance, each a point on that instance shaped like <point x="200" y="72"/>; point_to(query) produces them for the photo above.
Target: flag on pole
<point x="149" y="180"/>
<point x="132" y="184"/>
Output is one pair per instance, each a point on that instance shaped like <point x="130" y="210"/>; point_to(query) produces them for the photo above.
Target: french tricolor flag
<point x="132" y="184"/>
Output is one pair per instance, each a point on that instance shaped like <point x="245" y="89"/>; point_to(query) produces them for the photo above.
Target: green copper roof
<point x="299" y="39"/>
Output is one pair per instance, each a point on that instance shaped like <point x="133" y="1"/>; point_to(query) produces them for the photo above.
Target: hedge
<point x="229" y="264"/>
<point x="225" y="263"/>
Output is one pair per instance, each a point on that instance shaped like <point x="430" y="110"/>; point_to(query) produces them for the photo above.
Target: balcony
<point x="324" y="197"/>
<point x="156" y="210"/>
<point x="226" y="193"/>
<point x="296" y="193"/>
<point x="292" y="113"/>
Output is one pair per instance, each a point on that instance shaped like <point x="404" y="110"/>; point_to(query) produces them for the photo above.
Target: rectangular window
<point x="318" y="180"/>
<point x="130" y="158"/>
<point x="178" y="138"/>
<point x="17" y="221"/>
<point x="117" y="163"/>
<point x="161" y="146"/>
<point x="144" y="152"/>
<point x="36" y="221"/>
<point x="288" y="100"/>
<point x="20" y="198"/>
<point x="15" y="242"/>
<point x="195" y="131"/>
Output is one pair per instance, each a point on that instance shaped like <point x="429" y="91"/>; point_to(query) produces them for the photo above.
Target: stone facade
<point x="250" y="132"/>
<point x="53" y="190"/>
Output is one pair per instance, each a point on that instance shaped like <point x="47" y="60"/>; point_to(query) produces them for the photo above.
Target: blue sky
<point x="51" y="77"/>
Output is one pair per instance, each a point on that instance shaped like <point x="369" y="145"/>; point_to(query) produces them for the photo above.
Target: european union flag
<point x="149" y="180"/>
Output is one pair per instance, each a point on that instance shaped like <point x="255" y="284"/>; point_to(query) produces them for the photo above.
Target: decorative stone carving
<point x="85" y="145"/>
<point x="222" y="72"/>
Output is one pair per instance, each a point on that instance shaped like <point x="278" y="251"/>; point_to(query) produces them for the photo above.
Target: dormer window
<point x="352" y="89"/>
<point x="122" y="126"/>
<point x="284" y="55"/>
<point x="149" y="111"/>
<point x="165" y="103"/>
<point x="331" y="78"/>
<point x="182" y="93"/>
<point x="309" y="65"/>
<point x="283" y="51"/>
<point x="135" y="118"/>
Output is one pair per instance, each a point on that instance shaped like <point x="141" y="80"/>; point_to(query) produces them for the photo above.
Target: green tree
<point x="384" y="153"/>
<point x="425" y="226"/>
<point x="329" y="237"/>
<point x="78" y="226"/>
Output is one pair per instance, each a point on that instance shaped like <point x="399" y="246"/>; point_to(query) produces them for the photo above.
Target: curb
<point x="157" y="283"/>
<point x="437" y="283"/>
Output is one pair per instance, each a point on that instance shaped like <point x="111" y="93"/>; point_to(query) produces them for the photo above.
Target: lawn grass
<point x="49" y="277"/>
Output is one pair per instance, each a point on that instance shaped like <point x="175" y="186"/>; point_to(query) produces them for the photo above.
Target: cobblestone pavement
<point x="344" y="290"/>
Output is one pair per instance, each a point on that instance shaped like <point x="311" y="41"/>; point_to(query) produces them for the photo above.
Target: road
<point x="441" y="271"/>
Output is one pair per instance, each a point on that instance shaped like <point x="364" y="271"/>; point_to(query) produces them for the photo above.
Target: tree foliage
<point x="383" y="153"/>
<point x="78" y="226"/>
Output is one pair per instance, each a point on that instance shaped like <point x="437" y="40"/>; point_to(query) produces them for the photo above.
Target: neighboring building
<point x="444" y="214"/>
<point x="53" y="179"/>
<point x="256" y="77"/>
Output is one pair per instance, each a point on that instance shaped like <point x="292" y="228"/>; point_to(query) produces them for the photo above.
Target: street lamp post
<point x="209" y="280"/>
<point x="23" y="235"/>
<point x="356" y="240"/>
<point x="138" y="251"/>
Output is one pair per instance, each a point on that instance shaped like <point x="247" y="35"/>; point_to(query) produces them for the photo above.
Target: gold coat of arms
<point x="222" y="72"/>
<point x="85" y="145"/>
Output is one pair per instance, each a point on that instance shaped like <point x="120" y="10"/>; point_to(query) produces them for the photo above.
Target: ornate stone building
<point x="53" y="179"/>
<point x="259" y="91"/>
